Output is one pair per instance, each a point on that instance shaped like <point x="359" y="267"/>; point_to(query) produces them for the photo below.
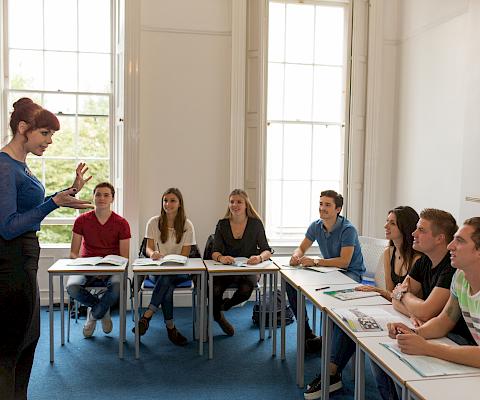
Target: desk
<point x="194" y="266"/>
<point x="61" y="268"/>
<point x="216" y="269"/>
<point x="465" y="388"/>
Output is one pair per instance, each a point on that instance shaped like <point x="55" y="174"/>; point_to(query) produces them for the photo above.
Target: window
<point x="306" y="113"/>
<point x="59" y="53"/>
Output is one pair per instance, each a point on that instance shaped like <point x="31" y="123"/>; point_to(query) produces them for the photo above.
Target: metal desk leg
<point x="314" y="320"/>
<point x="270" y="308"/>
<point x="50" y="312"/>
<point x="62" y="311"/>
<point x="201" y="301"/>
<point x="327" y="327"/>
<point x="263" y="308"/>
<point x="210" y="316"/>
<point x="359" y="373"/>
<point x="122" y="315"/>
<point x="300" y="338"/>
<point x="274" y="325"/>
<point x="282" y="315"/>
<point x="135" y="306"/>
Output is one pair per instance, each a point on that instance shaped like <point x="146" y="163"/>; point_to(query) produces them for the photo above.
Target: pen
<point x="321" y="288"/>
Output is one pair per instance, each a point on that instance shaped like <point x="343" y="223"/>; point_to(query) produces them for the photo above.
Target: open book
<point x="323" y="269"/>
<point x="176" y="259"/>
<point x="107" y="260"/>
<point x="430" y="366"/>
<point x="350" y="294"/>
<point x="369" y="318"/>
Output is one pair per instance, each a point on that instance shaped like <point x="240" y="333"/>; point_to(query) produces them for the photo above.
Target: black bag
<point x="289" y="317"/>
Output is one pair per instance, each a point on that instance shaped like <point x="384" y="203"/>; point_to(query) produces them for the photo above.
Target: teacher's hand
<point x="65" y="199"/>
<point x="80" y="181"/>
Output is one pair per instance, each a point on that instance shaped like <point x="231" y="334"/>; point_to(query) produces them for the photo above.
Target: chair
<point x="372" y="251"/>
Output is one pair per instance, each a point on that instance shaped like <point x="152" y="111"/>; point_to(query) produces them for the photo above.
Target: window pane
<point x="60" y="103"/>
<point x="55" y="234"/>
<point x="94" y="25"/>
<point x="95" y="105"/>
<point x="18" y="36"/>
<point x="300" y="33"/>
<point x="329" y="94"/>
<point x="276" y="32"/>
<point x="94" y="73"/>
<point x="296" y="204"/>
<point x="275" y="91"/>
<point x="298" y="92"/>
<point x="59" y="175"/>
<point x="60" y="24"/>
<point x="63" y="141"/>
<point x="329" y="35"/>
<point x="274" y="150"/>
<point x="327" y="143"/>
<point x="60" y="71"/>
<point x="297" y="151"/>
<point x="93" y="135"/>
<point x="100" y="170"/>
<point x="26" y="70"/>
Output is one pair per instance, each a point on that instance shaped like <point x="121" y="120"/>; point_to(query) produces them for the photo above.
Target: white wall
<point x="185" y="69"/>
<point x="431" y="103"/>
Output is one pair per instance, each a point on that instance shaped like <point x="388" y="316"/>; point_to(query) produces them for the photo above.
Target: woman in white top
<point x="169" y="233"/>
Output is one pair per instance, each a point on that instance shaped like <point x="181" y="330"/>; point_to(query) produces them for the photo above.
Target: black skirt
<point x="19" y="295"/>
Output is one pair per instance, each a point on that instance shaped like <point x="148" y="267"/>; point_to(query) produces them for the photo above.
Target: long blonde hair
<point x="251" y="212"/>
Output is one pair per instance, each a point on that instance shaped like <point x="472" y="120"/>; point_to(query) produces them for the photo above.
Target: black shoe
<point x="143" y="325"/>
<point x="226" y="326"/>
<point x="313" y="345"/>
<point x="314" y="389"/>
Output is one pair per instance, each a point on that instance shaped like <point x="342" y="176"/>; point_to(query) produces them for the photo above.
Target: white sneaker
<point x="107" y="324"/>
<point x="90" y="325"/>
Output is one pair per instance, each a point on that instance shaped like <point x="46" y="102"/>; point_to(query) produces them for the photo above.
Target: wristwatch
<point x="398" y="295"/>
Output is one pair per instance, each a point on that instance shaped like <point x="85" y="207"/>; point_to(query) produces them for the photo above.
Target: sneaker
<point x="226" y="326"/>
<point x="314" y="389"/>
<point x="107" y="324"/>
<point x="176" y="337"/>
<point x="90" y="324"/>
<point x="313" y="345"/>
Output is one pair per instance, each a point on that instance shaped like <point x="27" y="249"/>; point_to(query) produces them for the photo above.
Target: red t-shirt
<point x="101" y="240"/>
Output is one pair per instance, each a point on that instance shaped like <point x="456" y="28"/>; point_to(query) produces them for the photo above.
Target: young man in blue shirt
<point x="338" y="241"/>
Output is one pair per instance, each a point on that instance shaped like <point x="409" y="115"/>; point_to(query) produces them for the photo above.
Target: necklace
<point x="27" y="171"/>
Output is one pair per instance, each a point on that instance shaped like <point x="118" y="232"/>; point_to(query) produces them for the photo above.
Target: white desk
<point x="463" y="388"/>
<point x="194" y="266"/>
<point x="61" y="268"/>
<point x="216" y="269"/>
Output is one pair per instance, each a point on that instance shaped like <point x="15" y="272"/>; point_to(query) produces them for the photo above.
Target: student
<point x="98" y="233"/>
<point x="463" y="304"/>
<point x="425" y="291"/>
<point x="168" y="233"/>
<point x="338" y="241"/>
<point x="399" y="256"/>
<point x="23" y="206"/>
<point x="239" y="234"/>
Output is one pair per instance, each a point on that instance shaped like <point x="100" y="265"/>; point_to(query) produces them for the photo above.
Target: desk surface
<point x="214" y="267"/>
<point x="465" y="388"/>
<point x="322" y="300"/>
<point x="61" y="266"/>
<point x="304" y="277"/>
<point x="193" y="264"/>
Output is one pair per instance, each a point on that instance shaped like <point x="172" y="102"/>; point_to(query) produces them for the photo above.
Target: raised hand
<point x="80" y="181"/>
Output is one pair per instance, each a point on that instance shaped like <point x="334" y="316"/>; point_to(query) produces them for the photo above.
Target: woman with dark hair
<point x="168" y="233"/>
<point x="23" y="206"/>
<point x="239" y="234"/>
<point x="399" y="256"/>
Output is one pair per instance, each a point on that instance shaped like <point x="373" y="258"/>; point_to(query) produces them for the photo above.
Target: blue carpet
<point x="242" y="368"/>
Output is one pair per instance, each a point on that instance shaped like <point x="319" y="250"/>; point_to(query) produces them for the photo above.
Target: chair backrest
<point x="142" y="252"/>
<point x="372" y="251"/>
<point x="207" y="253"/>
<point x="194" y="252"/>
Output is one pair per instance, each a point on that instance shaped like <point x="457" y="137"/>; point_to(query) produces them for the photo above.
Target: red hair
<point x="33" y="115"/>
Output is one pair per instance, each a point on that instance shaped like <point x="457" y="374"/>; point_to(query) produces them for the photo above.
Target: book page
<point x="369" y="318"/>
<point x="113" y="260"/>
<point x="174" y="258"/>
<point x="430" y="366"/>
<point x="85" y="261"/>
<point x="350" y="294"/>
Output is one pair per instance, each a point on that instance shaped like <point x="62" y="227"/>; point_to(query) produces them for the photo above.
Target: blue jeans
<point x="99" y="305"/>
<point x="386" y="386"/>
<point x="163" y="293"/>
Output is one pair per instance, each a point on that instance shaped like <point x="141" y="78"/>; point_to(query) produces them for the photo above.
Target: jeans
<point x="245" y="284"/>
<point x="99" y="305"/>
<point x="386" y="386"/>
<point x="163" y="293"/>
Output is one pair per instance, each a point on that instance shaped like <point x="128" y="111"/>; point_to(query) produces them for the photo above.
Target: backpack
<point x="289" y="317"/>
